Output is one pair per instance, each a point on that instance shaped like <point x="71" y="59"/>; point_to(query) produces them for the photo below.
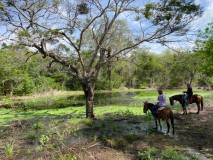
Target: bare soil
<point x="193" y="133"/>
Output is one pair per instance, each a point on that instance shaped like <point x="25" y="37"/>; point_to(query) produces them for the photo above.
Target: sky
<point x="200" y="23"/>
<point x="196" y="25"/>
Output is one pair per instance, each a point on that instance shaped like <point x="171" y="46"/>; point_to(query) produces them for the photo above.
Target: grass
<point x="168" y="154"/>
<point x="116" y="126"/>
<point x="8" y="115"/>
<point x="50" y="105"/>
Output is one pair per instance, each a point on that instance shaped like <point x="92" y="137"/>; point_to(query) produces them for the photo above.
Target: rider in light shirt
<point x="161" y="98"/>
<point x="161" y="102"/>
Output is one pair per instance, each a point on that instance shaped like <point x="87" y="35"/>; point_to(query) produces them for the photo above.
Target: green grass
<point x="116" y="126"/>
<point x="151" y="95"/>
<point x="7" y="115"/>
<point x="11" y="114"/>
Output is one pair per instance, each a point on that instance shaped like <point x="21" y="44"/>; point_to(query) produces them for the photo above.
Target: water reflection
<point x="110" y="98"/>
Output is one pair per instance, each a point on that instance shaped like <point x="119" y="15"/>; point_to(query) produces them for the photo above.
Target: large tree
<point x="83" y="30"/>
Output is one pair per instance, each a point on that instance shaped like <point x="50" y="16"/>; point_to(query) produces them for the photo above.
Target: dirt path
<point x="196" y="131"/>
<point x="194" y="135"/>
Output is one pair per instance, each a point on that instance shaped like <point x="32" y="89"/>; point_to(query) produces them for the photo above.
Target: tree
<point x="11" y="75"/>
<point x="204" y="49"/>
<point x="46" y="25"/>
<point x="20" y="78"/>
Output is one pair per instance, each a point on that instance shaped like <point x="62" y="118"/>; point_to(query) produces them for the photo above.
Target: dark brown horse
<point x="198" y="99"/>
<point x="164" y="114"/>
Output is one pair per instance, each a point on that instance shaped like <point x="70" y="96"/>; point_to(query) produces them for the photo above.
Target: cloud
<point x="207" y="15"/>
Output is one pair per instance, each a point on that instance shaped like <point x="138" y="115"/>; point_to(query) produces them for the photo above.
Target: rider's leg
<point x="185" y="99"/>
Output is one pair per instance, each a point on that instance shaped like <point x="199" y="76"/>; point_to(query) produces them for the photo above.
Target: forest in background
<point x="21" y="74"/>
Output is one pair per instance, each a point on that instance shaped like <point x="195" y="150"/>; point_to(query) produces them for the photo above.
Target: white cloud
<point x="207" y="15"/>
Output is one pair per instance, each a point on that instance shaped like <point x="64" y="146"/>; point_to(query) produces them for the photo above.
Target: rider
<point x="187" y="94"/>
<point x="161" y="102"/>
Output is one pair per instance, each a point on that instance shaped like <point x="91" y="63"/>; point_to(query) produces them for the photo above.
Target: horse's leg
<point x="172" y="123"/>
<point x="156" y="124"/>
<point x="201" y="102"/>
<point x="160" y="124"/>
<point x="184" y="109"/>
<point x="198" y="107"/>
<point x="168" y="126"/>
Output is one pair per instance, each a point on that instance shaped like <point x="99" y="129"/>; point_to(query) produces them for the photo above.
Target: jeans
<point x="154" y="110"/>
<point x="185" y="97"/>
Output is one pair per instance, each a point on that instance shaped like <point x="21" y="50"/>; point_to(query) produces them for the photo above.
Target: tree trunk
<point x="89" y="95"/>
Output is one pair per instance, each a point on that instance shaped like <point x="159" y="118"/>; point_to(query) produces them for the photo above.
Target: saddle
<point x="161" y="108"/>
<point x="158" y="111"/>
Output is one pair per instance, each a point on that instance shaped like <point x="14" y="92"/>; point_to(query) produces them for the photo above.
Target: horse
<point x="195" y="98"/>
<point x="164" y="114"/>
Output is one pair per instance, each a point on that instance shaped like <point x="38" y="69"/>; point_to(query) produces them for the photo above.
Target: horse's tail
<point x="172" y="121"/>
<point x="201" y="103"/>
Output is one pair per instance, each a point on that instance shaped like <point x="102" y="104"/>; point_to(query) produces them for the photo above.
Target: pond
<point x="110" y="98"/>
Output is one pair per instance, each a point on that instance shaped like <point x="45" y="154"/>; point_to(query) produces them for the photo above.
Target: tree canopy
<point x="81" y="35"/>
<point x="204" y="48"/>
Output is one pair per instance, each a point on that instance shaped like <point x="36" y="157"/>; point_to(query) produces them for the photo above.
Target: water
<point x="110" y="98"/>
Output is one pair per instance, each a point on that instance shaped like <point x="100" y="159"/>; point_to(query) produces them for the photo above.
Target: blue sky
<point x="196" y="25"/>
<point x="200" y="23"/>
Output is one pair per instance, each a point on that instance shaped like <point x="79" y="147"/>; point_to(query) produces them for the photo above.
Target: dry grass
<point x="50" y="93"/>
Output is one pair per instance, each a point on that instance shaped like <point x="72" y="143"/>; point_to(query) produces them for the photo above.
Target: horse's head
<point x="171" y="100"/>
<point x="145" y="107"/>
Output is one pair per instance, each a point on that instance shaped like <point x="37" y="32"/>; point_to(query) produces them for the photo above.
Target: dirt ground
<point x="193" y="133"/>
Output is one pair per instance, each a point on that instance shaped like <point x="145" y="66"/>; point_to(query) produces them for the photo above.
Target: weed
<point x="87" y="121"/>
<point x="31" y="137"/>
<point x="172" y="154"/>
<point x="43" y="139"/>
<point x="65" y="157"/>
<point x="148" y="155"/>
<point x="94" y="138"/>
<point x="131" y="137"/>
<point x="195" y="157"/>
<point x="111" y="143"/>
<point x="38" y="126"/>
<point x="148" y="116"/>
<point x="28" y="151"/>
<point x="39" y="148"/>
<point x="9" y="149"/>
<point x="128" y="114"/>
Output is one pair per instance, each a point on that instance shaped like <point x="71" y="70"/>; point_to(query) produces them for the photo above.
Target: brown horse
<point x="164" y="114"/>
<point x="193" y="99"/>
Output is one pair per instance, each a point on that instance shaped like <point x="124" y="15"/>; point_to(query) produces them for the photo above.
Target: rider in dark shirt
<point x="188" y="94"/>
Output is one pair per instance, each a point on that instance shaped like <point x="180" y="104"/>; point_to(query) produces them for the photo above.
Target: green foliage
<point x="27" y="86"/>
<point x="148" y="155"/>
<point x="9" y="149"/>
<point x="44" y="139"/>
<point x="132" y="137"/>
<point x="172" y="154"/>
<point x="61" y="156"/>
<point x="21" y="78"/>
<point x="38" y="126"/>
<point x="204" y="49"/>
<point x="174" y="10"/>
<point x="24" y="33"/>
<point x="148" y="10"/>
<point x="31" y="137"/>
